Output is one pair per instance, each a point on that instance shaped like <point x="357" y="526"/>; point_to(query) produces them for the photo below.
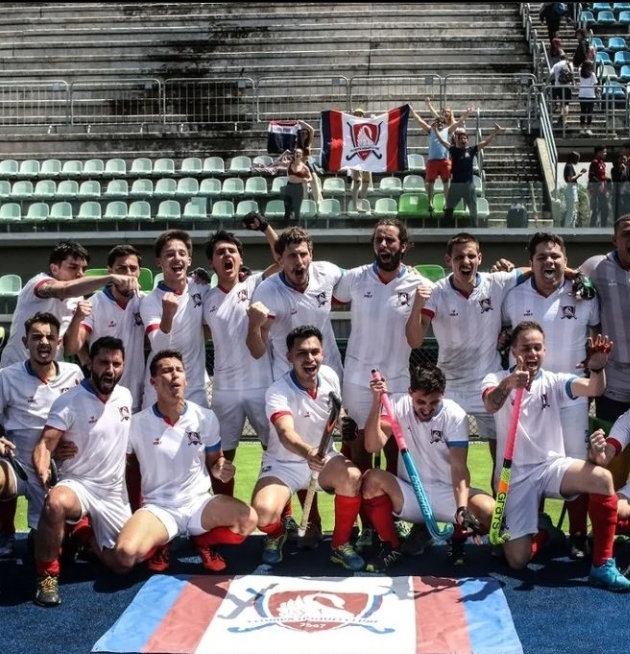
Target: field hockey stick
<point x="324" y="444"/>
<point x="414" y="477"/>
<point x="497" y="535"/>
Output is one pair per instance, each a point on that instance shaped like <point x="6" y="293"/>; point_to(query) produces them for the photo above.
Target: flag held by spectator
<point x="282" y="135"/>
<point x="377" y="144"/>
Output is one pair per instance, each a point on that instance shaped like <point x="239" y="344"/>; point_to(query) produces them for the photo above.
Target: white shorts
<point x="31" y="489"/>
<point x="524" y="495"/>
<point x="233" y="407"/>
<point x="108" y="510"/>
<point x="441" y="499"/>
<point x="574" y="418"/>
<point x="472" y="403"/>
<point x="296" y="475"/>
<point x="181" y="520"/>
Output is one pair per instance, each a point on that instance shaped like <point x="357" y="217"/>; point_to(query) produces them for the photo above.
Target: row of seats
<point x="606" y="17"/>
<point x="143" y="166"/>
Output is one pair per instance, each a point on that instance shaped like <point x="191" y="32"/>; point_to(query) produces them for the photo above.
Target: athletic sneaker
<point x="455" y="552"/>
<point x="47" y="593"/>
<point x="367" y="541"/>
<point x="7" y="545"/>
<point x="311" y="538"/>
<point x="211" y="560"/>
<point x="418" y="540"/>
<point x="580" y="548"/>
<point x="348" y="558"/>
<point x="386" y="557"/>
<point x="160" y="559"/>
<point x="272" y="549"/>
<point x="291" y="528"/>
<point x="403" y="529"/>
<point x="609" y="577"/>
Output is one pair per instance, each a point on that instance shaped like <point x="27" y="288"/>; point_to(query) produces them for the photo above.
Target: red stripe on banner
<point x="190" y="616"/>
<point x="393" y="139"/>
<point x="336" y="140"/>
<point x="441" y="624"/>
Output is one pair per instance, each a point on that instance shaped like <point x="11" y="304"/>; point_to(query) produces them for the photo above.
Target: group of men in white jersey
<point x="276" y="364"/>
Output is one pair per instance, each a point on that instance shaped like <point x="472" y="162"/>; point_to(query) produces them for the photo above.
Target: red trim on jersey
<point x="616" y="444"/>
<point x="279" y="414"/>
<point x="152" y="327"/>
<point x="338" y="303"/>
<point x="488" y="390"/>
<point x="428" y="312"/>
<point x="87" y="328"/>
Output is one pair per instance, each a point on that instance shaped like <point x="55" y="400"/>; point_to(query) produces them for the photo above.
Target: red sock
<point x="287" y="510"/>
<point x="218" y="536"/>
<point x="578" y="513"/>
<point x="47" y="567"/>
<point x="275" y="529"/>
<point x="603" y="512"/>
<point x="133" y="481"/>
<point x="222" y="487"/>
<point x="7" y="516"/>
<point x="346" y="512"/>
<point x="379" y="510"/>
<point x="538" y="541"/>
<point x="623" y="526"/>
<point x="313" y="516"/>
<point x="82" y="531"/>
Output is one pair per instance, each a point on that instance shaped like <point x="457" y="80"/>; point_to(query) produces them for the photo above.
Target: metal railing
<point x="32" y="103"/>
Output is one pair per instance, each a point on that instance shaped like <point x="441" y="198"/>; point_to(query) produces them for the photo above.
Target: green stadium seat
<point x="10" y="287"/>
<point x="240" y="164"/>
<point x="256" y="186"/>
<point x="165" y="187"/>
<point x="22" y="190"/>
<point x="278" y="184"/>
<point x="29" y="168"/>
<point x="68" y="189"/>
<point x="37" y="212"/>
<point x="5" y="189"/>
<point x="141" y="188"/>
<point x="141" y="166"/>
<point x="364" y="205"/>
<point x="115" y="210"/>
<point x="169" y="210"/>
<point x="90" y="188"/>
<point x="115" y="167"/>
<point x="308" y="209"/>
<point x="483" y="208"/>
<point x="157" y="278"/>
<point x="431" y="271"/>
<point x="213" y="166"/>
<point x="223" y="210"/>
<point x="413" y="183"/>
<point x="210" y="187"/>
<point x="413" y="205"/>
<point x="232" y="187"/>
<point x="187" y="187"/>
<point x="329" y="209"/>
<point x="262" y="160"/>
<point x="415" y="162"/>
<point x="45" y="189"/>
<point x="139" y="210"/>
<point x="9" y="168"/>
<point x="385" y="208"/>
<point x="244" y="207"/>
<point x="89" y="210"/>
<point x="146" y="279"/>
<point x="274" y="209"/>
<point x="50" y="168"/>
<point x="93" y="168"/>
<point x="72" y="168"/>
<point x="196" y="209"/>
<point x="191" y="166"/>
<point x="117" y="188"/>
<point x="334" y="187"/>
<point x="390" y="186"/>
<point x="163" y="166"/>
<point x="61" y="212"/>
<point x="10" y="212"/>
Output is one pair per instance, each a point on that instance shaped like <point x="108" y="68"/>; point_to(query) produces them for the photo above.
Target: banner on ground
<point x="284" y="615"/>
<point x="377" y="144"/>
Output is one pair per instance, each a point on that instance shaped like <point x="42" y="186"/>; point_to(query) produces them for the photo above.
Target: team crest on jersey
<point x="568" y="312"/>
<point x="193" y="438"/>
<point x="125" y="413"/>
<point x="544" y="401"/>
<point x="321" y="300"/>
<point x="242" y="295"/>
<point x="486" y="304"/>
<point x="196" y="299"/>
<point x="137" y="318"/>
<point x="365" y="140"/>
<point x="437" y="436"/>
<point x="403" y="298"/>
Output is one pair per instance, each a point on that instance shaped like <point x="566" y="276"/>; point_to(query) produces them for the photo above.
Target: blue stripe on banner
<point x="490" y="626"/>
<point x="135" y="626"/>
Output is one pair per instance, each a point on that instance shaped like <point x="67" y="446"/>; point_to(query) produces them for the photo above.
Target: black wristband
<point x="461" y="509"/>
<point x="596" y="370"/>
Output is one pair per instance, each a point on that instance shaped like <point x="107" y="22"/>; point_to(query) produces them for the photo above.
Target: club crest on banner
<point x="366" y="140"/>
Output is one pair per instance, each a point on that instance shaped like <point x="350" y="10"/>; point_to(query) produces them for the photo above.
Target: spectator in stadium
<point x="599" y="187"/>
<point x="361" y="179"/>
<point x="176" y="487"/>
<point x="298" y="407"/>
<point x="57" y="292"/>
<point x="588" y="92"/>
<point x="561" y="76"/>
<point x="298" y="174"/>
<point x="584" y="51"/>
<point x="620" y="178"/>
<point x="95" y="416"/>
<point x="436" y="435"/>
<point x="549" y="15"/>
<point x="462" y="182"/>
<point x="540" y="467"/>
<point x="27" y="391"/>
<point x="306" y="136"/>
<point x="571" y="176"/>
<point x="556" y="49"/>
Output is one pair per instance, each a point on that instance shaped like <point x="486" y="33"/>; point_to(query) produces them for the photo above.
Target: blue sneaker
<point x="272" y="549"/>
<point x="348" y="558"/>
<point x="609" y="577"/>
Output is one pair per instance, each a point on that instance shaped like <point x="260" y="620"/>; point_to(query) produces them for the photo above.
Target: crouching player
<point x="177" y="442"/>
<point x="436" y="434"/>
<point x="298" y="408"/>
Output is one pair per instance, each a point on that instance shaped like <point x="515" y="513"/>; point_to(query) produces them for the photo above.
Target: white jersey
<point x="565" y="319"/>
<point x="225" y="312"/>
<point x="108" y="318"/>
<point x="100" y="431"/>
<point x="290" y="308"/>
<point x="429" y="442"/>
<point x="28" y="304"/>
<point x="186" y="336"/>
<point x="467" y="327"/>
<point x="620" y="432"/>
<point x="25" y="401"/>
<point x="310" y="413"/>
<point x="378" y="316"/>
<point x="172" y="457"/>
<point x="539" y="435"/>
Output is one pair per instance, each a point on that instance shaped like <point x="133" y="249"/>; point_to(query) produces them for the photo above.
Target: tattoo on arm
<point x="46" y="291"/>
<point x="498" y="396"/>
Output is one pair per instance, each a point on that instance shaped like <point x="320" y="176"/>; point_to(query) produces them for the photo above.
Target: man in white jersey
<point x="298" y="407"/>
<point x="549" y="299"/>
<point x="95" y="416"/>
<point x="173" y="315"/>
<point x="27" y="391"/>
<point x="540" y="467"/>
<point x="178" y="444"/>
<point x="465" y="312"/>
<point x="110" y="312"/>
<point x="436" y="434"/>
<point x="56" y="292"/>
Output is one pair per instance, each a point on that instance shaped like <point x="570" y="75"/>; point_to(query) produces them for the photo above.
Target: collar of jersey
<point x="451" y="281"/>
<point x="533" y="282"/>
<point x="159" y="414"/>
<point x="283" y="279"/>
<point x="163" y="287"/>
<point x="401" y="273"/>
<point x="30" y="371"/>
<point x="302" y="388"/>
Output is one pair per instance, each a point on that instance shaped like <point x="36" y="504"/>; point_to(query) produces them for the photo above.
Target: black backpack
<point x="517" y="216"/>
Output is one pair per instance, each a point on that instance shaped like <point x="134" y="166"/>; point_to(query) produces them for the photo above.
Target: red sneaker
<point x="160" y="559"/>
<point x="211" y="560"/>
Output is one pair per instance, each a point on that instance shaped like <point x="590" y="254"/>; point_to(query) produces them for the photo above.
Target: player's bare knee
<point x="517" y="559"/>
<point x="55" y="507"/>
<point x="371" y="484"/>
<point x="125" y="557"/>
<point x="247" y="522"/>
<point x="603" y="481"/>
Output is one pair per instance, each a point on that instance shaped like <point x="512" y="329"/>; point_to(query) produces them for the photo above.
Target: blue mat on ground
<point x="553" y="609"/>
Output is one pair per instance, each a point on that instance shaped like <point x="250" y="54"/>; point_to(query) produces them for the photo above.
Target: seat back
<point x="431" y="271"/>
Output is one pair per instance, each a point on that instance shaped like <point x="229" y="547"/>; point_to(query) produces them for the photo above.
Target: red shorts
<point x="438" y="168"/>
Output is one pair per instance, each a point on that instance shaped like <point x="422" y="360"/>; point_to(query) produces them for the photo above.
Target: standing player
<point x="239" y="382"/>
<point x="27" y="391"/>
<point x="549" y="299"/>
<point x="540" y="467"/>
<point x="173" y="315"/>
<point x="177" y="442"/>
<point x="57" y="292"/>
<point x="95" y="416"/>
<point x="437" y="437"/>
<point x="298" y="408"/>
